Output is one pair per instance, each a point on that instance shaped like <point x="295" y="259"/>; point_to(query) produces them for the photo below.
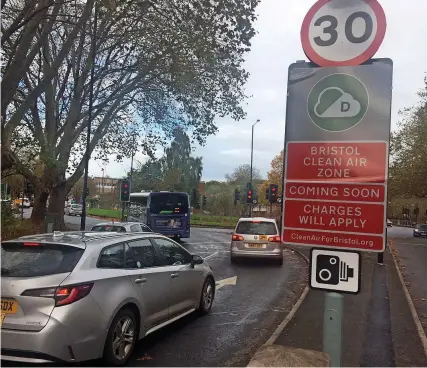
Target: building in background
<point x="105" y="184"/>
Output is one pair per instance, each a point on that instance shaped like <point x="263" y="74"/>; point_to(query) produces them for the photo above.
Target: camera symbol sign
<point x="335" y="270"/>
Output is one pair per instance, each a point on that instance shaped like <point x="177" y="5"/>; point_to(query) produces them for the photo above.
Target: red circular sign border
<point x="366" y="55"/>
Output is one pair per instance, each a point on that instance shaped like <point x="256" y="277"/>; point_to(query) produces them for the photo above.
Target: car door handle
<point x="140" y="280"/>
<point x="174" y="275"/>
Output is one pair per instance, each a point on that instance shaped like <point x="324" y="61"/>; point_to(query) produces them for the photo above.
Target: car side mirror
<point x="196" y="260"/>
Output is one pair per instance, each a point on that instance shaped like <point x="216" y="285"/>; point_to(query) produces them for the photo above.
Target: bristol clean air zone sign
<point x="336" y="161"/>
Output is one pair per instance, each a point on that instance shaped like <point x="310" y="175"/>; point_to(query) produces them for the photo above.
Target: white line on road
<point x="211" y="255"/>
<point x="411" y="243"/>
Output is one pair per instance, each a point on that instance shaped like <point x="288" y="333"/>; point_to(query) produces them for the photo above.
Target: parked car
<point x="86" y="295"/>
<point x="74" y="210"/>
<point x="122" y="227"/>
<point x="256" y="238"/>
<point x="22" y="202"/>
<point x="420" y="230"/>
<point x="389" y="223"/>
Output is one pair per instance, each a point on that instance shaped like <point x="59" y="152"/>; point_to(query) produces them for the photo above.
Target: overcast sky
<point x="274" y="48"/>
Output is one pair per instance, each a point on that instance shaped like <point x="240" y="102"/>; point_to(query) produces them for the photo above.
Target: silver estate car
<point x="76" y="296"/>
<point x="256" y="237"/>
<point x="74" y="209"/>
<point x="122" y="227"/>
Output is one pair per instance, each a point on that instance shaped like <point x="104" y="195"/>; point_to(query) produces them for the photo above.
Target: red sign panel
<point x="335" y="194"/>
<point x="335" y="240"/>
<point x="335" y="216"/>
<point x="337" y="162"/>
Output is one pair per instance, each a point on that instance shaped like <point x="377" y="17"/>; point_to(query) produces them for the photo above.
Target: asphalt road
<point x="243" y="316"/>
<point x="412" y="255"/>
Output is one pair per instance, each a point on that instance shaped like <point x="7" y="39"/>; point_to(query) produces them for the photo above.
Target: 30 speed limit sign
<point x="343" y="32"/>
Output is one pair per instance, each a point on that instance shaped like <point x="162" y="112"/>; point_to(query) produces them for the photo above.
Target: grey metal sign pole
<point x="332" y="327"/>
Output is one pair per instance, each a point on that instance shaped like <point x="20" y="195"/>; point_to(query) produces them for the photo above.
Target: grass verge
<point x="196" y="219"/>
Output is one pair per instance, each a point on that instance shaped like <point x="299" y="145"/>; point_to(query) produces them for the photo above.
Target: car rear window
<point x="112" y="228"/>
<point x="256" y="228"/>
<point x="20" y="260"/>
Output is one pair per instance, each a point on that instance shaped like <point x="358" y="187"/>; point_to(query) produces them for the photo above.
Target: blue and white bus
<point x="166" y="213"/>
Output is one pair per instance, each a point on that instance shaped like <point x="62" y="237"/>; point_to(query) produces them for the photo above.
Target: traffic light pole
<point x="252" y="161"/>
<point x="22" y="201"/>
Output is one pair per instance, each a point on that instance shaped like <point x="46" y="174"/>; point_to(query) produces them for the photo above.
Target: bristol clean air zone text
<point x="335" y="194"/>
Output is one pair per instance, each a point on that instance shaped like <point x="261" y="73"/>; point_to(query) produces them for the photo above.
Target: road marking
<point x="418" y="324"/>
<point x="211" y="255"/>
<point x="230" y="281"/>
<point x="411" y="243"/>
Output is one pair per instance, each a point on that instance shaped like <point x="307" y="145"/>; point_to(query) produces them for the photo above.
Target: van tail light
<point x="235" y="237"/>
<point x="63" y="295"/>
<point x="274" y="239"/>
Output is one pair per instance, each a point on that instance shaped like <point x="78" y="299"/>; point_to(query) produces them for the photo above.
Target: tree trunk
<point x="56" y="207"/>
<point x="39" y="210"/>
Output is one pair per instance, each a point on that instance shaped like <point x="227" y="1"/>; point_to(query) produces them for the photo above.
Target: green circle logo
<point x="338" y="102"/>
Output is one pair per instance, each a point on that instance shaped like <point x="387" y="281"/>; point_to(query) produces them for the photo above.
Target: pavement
<point x="411" y="253"/>
<point x="378" y="327"/>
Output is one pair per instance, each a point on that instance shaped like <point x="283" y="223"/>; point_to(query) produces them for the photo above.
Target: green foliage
<point x="214" y="221"/>
<point x="221" y="194"/>
<point x="177" y="170"/>
<point x="408" y="170"/>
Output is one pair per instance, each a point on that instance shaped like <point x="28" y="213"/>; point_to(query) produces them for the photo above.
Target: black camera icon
<point x="331" y="270"/>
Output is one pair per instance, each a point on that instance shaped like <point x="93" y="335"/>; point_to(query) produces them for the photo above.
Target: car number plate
<point x="256" y="245"/>
<point x="8" y="307"/>
<point x="263" y="237"/>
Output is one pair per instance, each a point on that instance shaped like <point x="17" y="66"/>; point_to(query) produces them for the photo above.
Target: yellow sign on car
<point x="8" y="307"/>
<point x="256" y="245"/>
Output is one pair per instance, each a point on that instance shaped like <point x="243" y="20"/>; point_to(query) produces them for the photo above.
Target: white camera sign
<point x="335" y="270"/>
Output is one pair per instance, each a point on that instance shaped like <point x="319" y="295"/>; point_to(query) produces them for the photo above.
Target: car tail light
<point x="63" y="295"/>
<point x="70" y="294"/>
<point x="30" y="244"/>
<point x="275" y="239"/>
<point x="235" y="237"/>
<point x="256" y="222"/>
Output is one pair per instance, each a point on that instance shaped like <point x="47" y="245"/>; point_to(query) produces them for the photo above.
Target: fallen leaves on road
<point x="145" y="357"/>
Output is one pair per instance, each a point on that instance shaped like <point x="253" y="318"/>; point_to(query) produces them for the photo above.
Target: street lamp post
<point x="89" y="123"/>
<point x="252" y="161"/>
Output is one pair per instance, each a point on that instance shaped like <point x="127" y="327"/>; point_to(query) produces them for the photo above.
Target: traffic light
<point x="236" y="196"/>
<point x="204" y="200"/>
<point x="249" y="196"/>
<point x="267" y="193"/>
<point x="272" y="193"/>
<point x="125" y="190"/>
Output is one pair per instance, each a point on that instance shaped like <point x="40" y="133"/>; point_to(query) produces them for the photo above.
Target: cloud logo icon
<point x="333" y="102"/>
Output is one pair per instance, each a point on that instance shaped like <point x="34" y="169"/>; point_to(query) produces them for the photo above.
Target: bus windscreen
<point x="169" y="204"/>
